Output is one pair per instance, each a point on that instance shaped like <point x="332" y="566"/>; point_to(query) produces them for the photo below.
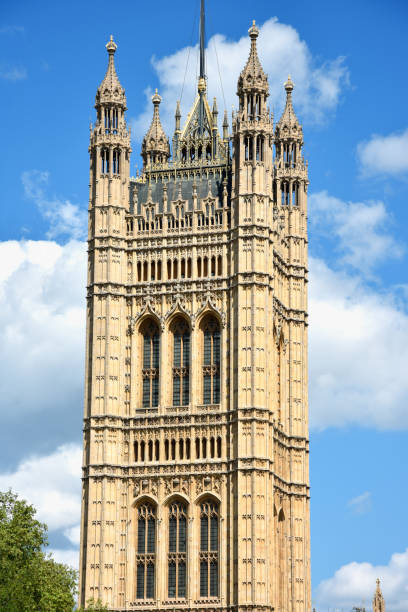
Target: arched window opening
<point x="159" y="270"/>
<point x="181" y="449"/>
<point x="107" y="120"/>
<point x="181" y="362"/>
<point x="150" y="371"/>
<point x="105" y="161"/>
<point x="197" y="448"/>
<point x="166" y="450"/>
<point x="285" y="193"/>
<point x="183" y="268"/>
<point x="212" y="448"/>
<point x="142" y="450"/>
<point x="204" y="447"/>
<point x="145" y="271"/>
<point x="219" y="266"/>
<point x="153" y="271"/>
<point x="150" y="446"/>
<point x="211" y="360"/>
<point x="136" y="450"/>
<point x="173" y="450"/>
<point x="209" y="549"/>
<point x="213" y="266"/>
<point x="205" y="271"/>
<point x="219" y="448"/>
<point x="189" y="267"/>
<point x="177" y="556"/>
<point x="199" y="267"/>
<point x="146" y="552"/>
<point x="116" y="161"/>
<point x="169" y="269"/>
<point x="157" y="450"/>
<point x="175" y="268"/>
<point x="188" y="448"/>
<point x="208" y="152"/>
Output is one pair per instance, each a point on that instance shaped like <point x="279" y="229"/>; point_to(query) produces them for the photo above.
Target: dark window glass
<point x="140" y="581"/>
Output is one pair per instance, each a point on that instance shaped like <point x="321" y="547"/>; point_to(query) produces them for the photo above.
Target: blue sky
<point x="348" y="62"/>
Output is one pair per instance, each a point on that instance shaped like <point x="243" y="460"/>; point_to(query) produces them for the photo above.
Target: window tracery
<point x="177" y="552"/>
<point x="146" y="551"/>
<point x="209" y="548"/>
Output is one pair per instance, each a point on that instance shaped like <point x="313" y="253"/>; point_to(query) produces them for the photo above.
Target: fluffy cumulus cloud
<point x="318" y="85"/>
<point x="384" y="155"/>
<point x="64" y="218"/>
<point x="343" y="221"/>
<point x="354" y="584"/>
<point x="42" y="329"/>
<point x="52" y="484"/>
<point x="358" y="353"/>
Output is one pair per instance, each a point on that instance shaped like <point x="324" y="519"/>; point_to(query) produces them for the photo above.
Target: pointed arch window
<point x="181" y="363"/>
<point x="177" y="555"/>
<point x="150" y="370"/>
<point x="211" y="361"/>
<point x="146" y="552"/>
<point x="209" y="548"/>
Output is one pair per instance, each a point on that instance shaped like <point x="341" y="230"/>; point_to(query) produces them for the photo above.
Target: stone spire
<point x="110" y="90"/>
<point x="253" y="78"/>
<point x="378" y="600"/>
<point x="155" y="146"/>
<point x="288" y="125"/>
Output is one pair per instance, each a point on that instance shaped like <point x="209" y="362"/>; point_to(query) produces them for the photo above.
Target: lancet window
<point x="209" y="548"/>
<point x="146" y="551"/>
<point x="105" y="161"/>
<point x="116" y="161"/>
<point x="211" y="360"/>
<point x="150" y="369"/>
<point x="177" y="555"/>
<point x="181" y="363"/>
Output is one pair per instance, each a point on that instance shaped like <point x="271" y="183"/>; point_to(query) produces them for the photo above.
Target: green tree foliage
<point x="30" y="580"/>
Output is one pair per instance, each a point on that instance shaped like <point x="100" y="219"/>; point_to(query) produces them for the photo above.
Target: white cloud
<point x="358" y="353"/>
<point x="68" y="557"/>
<point x="13" y="73"/>
<point x="384" y="154"/>
<point x="354" y="584"/>
<point x="52" y="484"/>
<point x="360" y="504"/>
<point x="64" y="217"/>
<point x="360" y="229"/>
<point x="281" y="50"/>
<point x="73" y="534"/>
<point x="42" y="328"/>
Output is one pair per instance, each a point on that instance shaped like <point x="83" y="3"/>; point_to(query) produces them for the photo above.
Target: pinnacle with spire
<point x="288" y="125"/>
<point x="378" y="600"/>
<point x="155" y="146"/>
<point x="253" y="77"/>
<point x="110" y="90"/>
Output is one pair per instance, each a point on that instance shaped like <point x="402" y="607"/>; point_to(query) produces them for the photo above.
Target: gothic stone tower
<point x="195" y="473"/>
